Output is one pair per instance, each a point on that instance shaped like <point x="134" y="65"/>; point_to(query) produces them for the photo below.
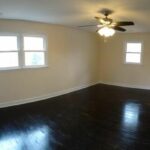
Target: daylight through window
<point x="34" y="50"/>
<point x="9" y="52"/>
<point x="12" y="56"/>
<point x="133" y="53"/>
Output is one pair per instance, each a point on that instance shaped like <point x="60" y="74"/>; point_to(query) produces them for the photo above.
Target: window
<point x="9" y="52"/>
<point x="133" y="52"/>
<point x="22" y="51"/>
<point x="34" y="51"/>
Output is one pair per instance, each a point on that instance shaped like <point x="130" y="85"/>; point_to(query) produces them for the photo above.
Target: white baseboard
<point x="126" y="85"/>
<point x="66" y="91"/>
<point x="44" y="97"/>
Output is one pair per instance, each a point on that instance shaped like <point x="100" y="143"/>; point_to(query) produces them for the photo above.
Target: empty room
<point x="74" y="75"/>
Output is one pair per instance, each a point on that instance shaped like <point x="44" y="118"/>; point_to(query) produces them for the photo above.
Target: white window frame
<point x="141" y="53"/>
<point x="19" y="50"/>
<point x="44" y="51"/>
<point x="21" y="56"/>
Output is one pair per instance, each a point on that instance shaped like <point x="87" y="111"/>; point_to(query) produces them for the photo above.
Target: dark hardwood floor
<point x="97" y="118"/>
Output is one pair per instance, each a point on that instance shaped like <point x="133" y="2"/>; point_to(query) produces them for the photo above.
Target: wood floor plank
<point x="101" y="117"/>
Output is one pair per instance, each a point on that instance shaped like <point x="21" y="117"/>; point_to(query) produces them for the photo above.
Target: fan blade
<point x="125" y="23"/>
<point x="118" y="28"/>
<point x="88" y="26"/>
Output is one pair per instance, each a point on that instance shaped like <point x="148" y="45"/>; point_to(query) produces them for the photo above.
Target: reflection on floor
<point x="131" y="115"/>
<point x="22" y="140"/>
<point x="97" y="118"/>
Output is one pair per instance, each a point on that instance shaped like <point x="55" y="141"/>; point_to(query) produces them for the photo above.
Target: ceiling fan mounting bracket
<point x="106" y="12"/>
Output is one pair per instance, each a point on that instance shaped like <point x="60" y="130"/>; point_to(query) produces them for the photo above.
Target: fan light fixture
<point x="106" y="31"/>
<point x="107" y="26"/>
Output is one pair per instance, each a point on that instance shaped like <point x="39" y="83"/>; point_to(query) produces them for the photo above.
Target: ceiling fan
<point x="107" y="26"/>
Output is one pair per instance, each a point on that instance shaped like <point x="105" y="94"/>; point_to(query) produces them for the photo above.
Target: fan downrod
<point x="106" y="12"/>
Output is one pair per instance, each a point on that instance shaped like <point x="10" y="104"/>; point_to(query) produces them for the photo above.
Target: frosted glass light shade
<point x="106" y="31"/>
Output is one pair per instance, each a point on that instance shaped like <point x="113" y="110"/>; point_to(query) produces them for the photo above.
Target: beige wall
<point x="112" y="67"/>
<point x="73" y="56"/>
<point x="76" y="58"/>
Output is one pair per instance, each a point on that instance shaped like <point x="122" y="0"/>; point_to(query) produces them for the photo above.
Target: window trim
<point x="141" y="53"/>
<point x="45" y="51"/>
<point x="20" y="51"/>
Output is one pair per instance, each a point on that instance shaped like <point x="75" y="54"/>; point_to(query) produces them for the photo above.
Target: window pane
<point x="8" y="59"/>
<point x="33" y="43"/>
<point x="133" y="58"/>
<point x="34" y="58"/>
<point x="8" y="43"/>
<point x="134" y="47"/>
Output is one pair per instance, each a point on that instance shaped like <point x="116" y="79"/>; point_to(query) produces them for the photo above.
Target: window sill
<point x="22" y="68"/>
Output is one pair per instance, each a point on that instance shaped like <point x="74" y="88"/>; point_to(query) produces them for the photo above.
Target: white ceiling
<point x="78" y="12"/>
